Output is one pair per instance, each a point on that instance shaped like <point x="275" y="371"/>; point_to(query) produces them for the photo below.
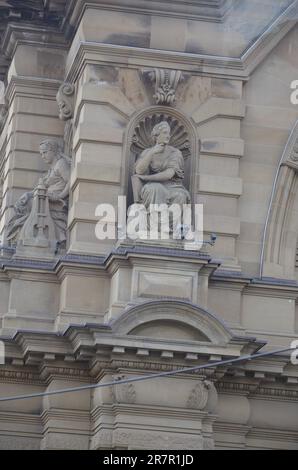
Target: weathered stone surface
<point x="99" y="76"/>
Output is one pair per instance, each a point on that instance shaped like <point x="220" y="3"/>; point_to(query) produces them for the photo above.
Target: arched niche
<point x="172" y="320"/>
<point x="278" y="257"/>
<point x="138" y="137"/>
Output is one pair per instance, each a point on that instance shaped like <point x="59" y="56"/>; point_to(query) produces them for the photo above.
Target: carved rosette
<point x="124" y="393"/>
<point x="199" y="395"/>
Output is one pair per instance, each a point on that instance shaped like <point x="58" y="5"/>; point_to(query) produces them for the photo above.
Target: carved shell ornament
<point x="142" y="137"/>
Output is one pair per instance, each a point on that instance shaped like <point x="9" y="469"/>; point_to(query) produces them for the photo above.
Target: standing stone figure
<point x="56" y="183"/>
<point x="159" y="172"/>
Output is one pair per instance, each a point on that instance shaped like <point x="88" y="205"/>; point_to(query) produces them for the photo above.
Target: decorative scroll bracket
<point x="165" y="84"/>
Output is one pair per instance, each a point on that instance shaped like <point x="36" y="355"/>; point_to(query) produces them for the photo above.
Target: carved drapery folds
<point x="40" y="216"/>
<point x="143" y="139"/>
<point x="165" y="84"/>
<point x="160" y="151"/>
<point x="39" y="221"/>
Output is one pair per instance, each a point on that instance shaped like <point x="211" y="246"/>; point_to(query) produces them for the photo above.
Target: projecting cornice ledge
<point x="202" y="64"/>
<point x="203" y="10"/>
<point x="84" y="351"/>
<point x="57" y="27"/>
<point x="37" y="22"/>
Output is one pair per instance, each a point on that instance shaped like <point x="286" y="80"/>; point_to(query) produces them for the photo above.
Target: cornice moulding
<point x="30" y="34"/>
<point x="48" y="35"/>
<point x="137" y="57"/>
<point x="241" y="68"/>
<point x="43" y="86"/>
<point x="199" y="10"/>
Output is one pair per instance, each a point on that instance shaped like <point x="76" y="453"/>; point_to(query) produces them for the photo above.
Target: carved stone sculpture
<point x="65" y="101"/>
<point x="49" y="200"/>
<point x="38" y="230"/>
<point x="124" y="393"/>
<point x="165" y="83"/>
<point x="198" y="397"/>
<point x="159" y="172"/>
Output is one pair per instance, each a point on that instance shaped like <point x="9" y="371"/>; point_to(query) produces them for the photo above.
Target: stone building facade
<point x="84" y="83"/>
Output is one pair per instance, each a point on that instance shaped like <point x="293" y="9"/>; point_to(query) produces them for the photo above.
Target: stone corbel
<point x="165" y="85"/>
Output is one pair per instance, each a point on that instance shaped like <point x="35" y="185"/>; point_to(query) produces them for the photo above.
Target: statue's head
<point x="162" y="133"/>
<point x="50" y="150"/>
<point x="65" y="101"/>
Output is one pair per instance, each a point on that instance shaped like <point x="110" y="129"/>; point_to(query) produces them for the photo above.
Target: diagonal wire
<point x="147" y="377"/>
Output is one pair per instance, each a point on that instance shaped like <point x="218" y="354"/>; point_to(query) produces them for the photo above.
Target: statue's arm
<point x="142" y="164"/>
<point x="65" y="193"/>
<point x="64" y="172"/>
<point x="165" y="175"/>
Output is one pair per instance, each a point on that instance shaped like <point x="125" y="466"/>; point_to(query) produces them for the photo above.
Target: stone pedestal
<point x="145" y="270"/>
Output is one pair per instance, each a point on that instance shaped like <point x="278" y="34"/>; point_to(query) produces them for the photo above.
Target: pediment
<point x="172" y="320"/>
<point x="173" y="330"/>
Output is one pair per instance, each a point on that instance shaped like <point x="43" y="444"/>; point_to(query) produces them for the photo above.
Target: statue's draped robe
<point x="166" y="192"/>
<point x="56" y="180"/>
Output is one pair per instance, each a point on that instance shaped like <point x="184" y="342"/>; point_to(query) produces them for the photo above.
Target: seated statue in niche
<point x="159" y="172"/>
<point x="56" y="183"/>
